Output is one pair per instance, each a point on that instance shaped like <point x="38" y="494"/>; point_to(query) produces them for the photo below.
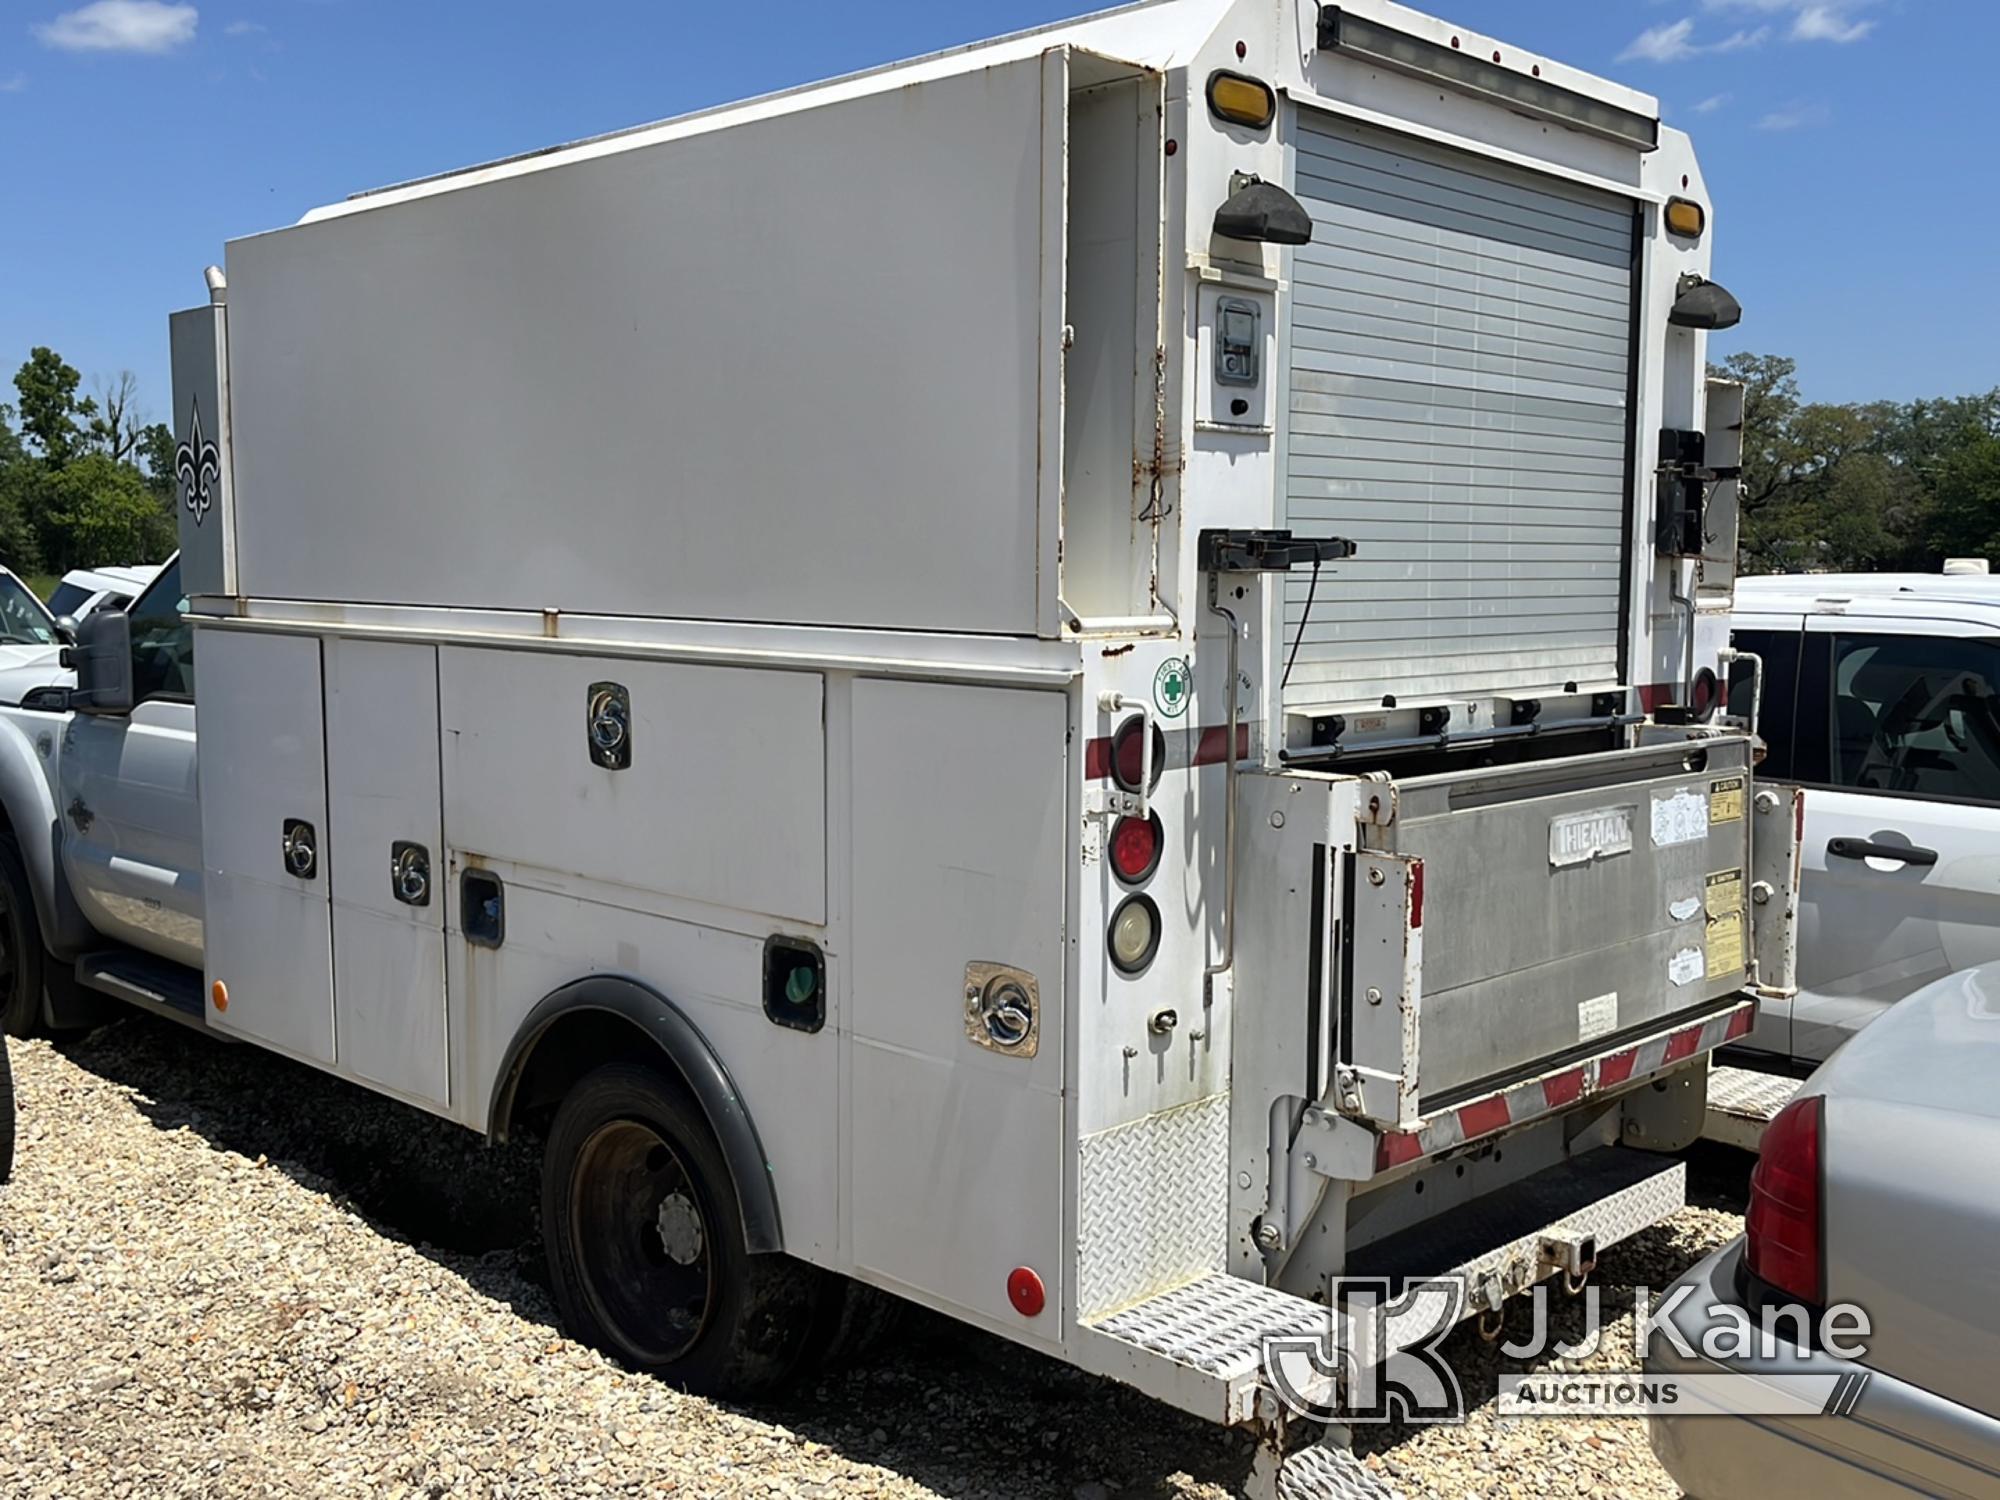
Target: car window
<point x="1776" y="717"/>
<point x="23" y="620"/>
<point x="162" y="640"/>
<point x="66" y="598"/>
<point x="1917" y="716"/>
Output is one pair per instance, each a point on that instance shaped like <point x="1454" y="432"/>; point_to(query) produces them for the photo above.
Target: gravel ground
<point x="223" y="1274"/>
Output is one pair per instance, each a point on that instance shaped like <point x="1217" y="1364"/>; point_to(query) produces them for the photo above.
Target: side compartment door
<point x="1902" y="856"/>
<point x="383" y="809"/>
<point x="262" y="772"/>
<point x="955" y="1147"/>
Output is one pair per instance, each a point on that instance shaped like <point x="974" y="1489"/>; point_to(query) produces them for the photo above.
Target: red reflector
<point x="1563" y="1089"/>
<point x="1025" y="1291"/>
<point x="1783" y="1224"/>
<point x="1416" y="894"/>
<point x="1682" y="1044"/>
<point x="1128" y="754"/>
<point x="1485" y="1116"/>
<point x="1394" y="1149"/>
<point x="1135" y="848"/>
<point x="1616" y="1068"/>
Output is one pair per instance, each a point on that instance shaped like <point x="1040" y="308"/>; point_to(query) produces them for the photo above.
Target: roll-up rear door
<point x="1461" y="347"/>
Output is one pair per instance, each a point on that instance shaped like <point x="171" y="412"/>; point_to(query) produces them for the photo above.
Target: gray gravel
<point x="223" y="1274"/>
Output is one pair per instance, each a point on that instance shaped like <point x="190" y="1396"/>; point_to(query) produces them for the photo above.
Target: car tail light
<point x="1135" y="848"/>
<point x="1786" y="1225"/>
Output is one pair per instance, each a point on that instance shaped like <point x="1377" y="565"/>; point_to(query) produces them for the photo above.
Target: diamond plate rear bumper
<point x="1741" y="1102"/>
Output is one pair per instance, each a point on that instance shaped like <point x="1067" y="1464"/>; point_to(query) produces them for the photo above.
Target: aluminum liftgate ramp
<point x="1214" y="1329"/>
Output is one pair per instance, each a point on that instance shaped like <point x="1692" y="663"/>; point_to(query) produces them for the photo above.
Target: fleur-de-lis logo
<point x="198" y="467"/>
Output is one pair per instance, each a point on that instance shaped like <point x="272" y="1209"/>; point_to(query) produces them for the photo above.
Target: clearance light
<point x="1686" y="218"/>
<point x="1343" y="31"/>
<point x="1135" y="934"/>
<point x="1241" y="100"/>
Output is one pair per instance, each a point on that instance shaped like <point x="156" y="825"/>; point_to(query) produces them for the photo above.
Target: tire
<point x="20" y="947"/>
<point x="645" y="1242"/>
<point x="855" y="1321"/>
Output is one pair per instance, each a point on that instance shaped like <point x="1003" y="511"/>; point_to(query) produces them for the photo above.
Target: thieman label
<point x="1578" y="838"/>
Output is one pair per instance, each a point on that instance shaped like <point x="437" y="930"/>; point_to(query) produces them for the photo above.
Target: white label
<point x="1594" y="1017"/>
<point x="1578" y="838"/>
<point x="1684" y="908"/>
<point x="1686" y="966"/>
<point x="1680" y="817"/>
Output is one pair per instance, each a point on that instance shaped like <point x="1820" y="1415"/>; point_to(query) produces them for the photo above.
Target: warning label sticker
<point x="1725" y="944"/>
<point x="1725" y="800"/>
<point x="1679" y="817"/>
<point x="1723" y="893"/>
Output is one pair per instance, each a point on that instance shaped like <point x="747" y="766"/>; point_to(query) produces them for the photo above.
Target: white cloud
<point x="1711" y="104"/>
<point x="244" y="28"/>
<point x="1828" y="23"/>
<point x="1796" y="117"/>
<point x="1664" y="44"/>
<point x="121" y="26"/>
<point x="13" y="83"/>
<point x="1738" y="41"/>
<point x="1674" y="42"/>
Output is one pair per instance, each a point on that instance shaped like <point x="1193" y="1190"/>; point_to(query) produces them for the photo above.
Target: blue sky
<point x="1848" y="143"/>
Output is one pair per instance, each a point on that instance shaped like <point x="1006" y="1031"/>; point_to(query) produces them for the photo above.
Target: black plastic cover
<point x="1266" y="214"/>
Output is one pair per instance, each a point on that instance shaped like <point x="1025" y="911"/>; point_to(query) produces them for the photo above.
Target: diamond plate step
<point x="1741" y="1102"/>
<point x="1323" y="1473"/>
<point x="1213" y="1329"/>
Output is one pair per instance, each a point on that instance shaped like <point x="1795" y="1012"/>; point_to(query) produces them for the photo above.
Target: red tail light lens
<point x="1135" y="848"/>
<point x="1786" y="1222"/>
<point x="1128" y="754"/>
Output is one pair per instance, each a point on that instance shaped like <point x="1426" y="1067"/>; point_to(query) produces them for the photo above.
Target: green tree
<point x="1967" y="520"/>
<point x="52" y="417"/>
<point x="156" y="447"/>
<point x="97" y="511"/>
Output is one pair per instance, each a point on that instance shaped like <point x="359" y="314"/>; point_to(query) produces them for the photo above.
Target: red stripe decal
<point x="1394" y="1149"/>
<point x="1739" y="1024"/>
<point x="1097" y="759"/>
<point x="1485" y="1117"/>
<point x="1564" y="1088"/>
<point x="1653" y="694"/>
<point x="1211" y="748"/>
<point x="1617" y="1068"/>
<point x="1682" y="1044"/>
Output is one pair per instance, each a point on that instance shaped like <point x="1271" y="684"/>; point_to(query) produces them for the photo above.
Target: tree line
<point x="83" y="481"/>
<point x="1858" y="487"/>
<point x="1867" y="486"/>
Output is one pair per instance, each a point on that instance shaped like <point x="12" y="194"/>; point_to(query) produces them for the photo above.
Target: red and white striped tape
<point x="1557" y="1091"/>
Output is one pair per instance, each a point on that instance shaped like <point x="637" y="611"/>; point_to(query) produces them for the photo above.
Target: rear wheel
<point x="20" y="947"/>
<point x="645" y="1242"/>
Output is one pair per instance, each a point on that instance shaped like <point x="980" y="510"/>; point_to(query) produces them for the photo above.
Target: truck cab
<point x="117" y="890"/>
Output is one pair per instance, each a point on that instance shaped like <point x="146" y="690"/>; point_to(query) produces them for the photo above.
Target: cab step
<point x="167" y="989"/>
<point x="1741" y="1102"/>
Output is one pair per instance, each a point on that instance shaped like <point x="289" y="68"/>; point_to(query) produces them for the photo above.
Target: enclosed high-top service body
<point x="1102" y="646"/>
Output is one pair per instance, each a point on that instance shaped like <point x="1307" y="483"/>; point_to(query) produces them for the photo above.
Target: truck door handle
<point x="1909" y="854"/>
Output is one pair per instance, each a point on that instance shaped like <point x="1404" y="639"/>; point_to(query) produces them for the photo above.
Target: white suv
<point x="1882" y="696"/>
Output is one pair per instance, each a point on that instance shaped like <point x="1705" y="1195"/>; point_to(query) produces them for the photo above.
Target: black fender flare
<point x="699" y="1068"/>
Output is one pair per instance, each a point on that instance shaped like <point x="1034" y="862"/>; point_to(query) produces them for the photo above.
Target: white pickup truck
<point x="115" y="897"/>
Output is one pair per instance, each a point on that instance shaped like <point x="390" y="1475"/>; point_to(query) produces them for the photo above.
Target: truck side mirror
<point x="102" y="657"/>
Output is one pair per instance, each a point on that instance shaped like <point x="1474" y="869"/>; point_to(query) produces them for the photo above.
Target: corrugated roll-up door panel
<point x="1461" y="346"/>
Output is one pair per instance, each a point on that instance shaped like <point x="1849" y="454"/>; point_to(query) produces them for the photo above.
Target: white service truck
<point x="1074" y="679"/>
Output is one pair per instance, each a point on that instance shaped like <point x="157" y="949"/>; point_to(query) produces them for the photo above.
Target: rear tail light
<point x="1786" y="1225"/>
<point x="1135" y="848"/>
<point x="1135" y="934"/>
<point x="1128" y="754"/>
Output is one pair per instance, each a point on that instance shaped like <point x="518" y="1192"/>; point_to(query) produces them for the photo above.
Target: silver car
<point x="1876" y="1199"/>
